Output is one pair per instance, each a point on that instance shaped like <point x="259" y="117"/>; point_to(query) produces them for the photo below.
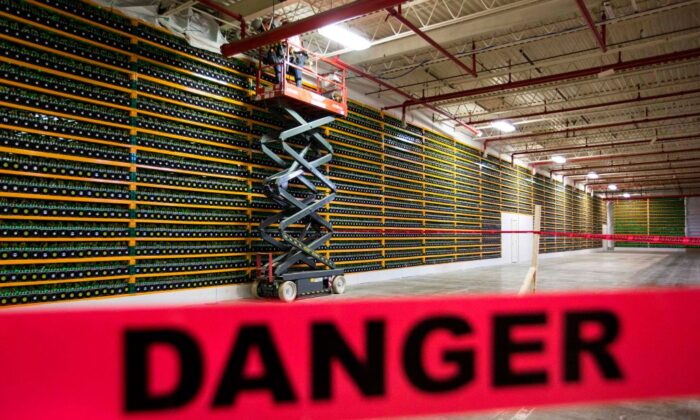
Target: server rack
<point x="650" y="216"/>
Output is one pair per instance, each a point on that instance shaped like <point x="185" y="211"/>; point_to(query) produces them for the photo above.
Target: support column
<point x="610" y="207"/>
<point x="530" y="283"/>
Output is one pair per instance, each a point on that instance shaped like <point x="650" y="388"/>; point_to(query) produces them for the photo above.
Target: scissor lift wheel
<point x="287" y="291"/>
<point x="255" y="287"/>
<point x="338" y="285"/>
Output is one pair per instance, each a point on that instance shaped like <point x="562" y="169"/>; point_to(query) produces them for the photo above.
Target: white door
<point x="516" y="247"/>
<point x="514" y="240"/>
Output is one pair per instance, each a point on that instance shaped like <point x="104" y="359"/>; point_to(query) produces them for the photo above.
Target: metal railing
<point x="325" y="81"/>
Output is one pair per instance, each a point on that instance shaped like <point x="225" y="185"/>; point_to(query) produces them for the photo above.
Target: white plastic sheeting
<point x="145" y="10"/>
<point x="177" y="22"/>
<point x="200" y="30"/>
<point x="203" y="32"/>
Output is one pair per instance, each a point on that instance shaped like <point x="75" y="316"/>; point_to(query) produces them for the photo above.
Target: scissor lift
<point x="298" y="231"/>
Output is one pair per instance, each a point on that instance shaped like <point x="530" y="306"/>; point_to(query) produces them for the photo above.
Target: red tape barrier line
<point x="652" y="239"/>
<point x="350" y="359"/>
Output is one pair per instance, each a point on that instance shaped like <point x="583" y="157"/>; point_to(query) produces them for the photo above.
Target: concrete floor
<point x="598" y="270"/>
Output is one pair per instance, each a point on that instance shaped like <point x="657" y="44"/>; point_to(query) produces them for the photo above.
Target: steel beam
<point x="380" y="82"/>
<point x="401" y="18"/>
<point x="644" y="197"/>
<point x="666" y="188"/>
<point x="626" y="165"/>
<point x="605" y="145"/>
<point x="591" y="25"/>
<point x="575" y="74"/>
<point x="632" y="172"/>
<point x="585" y="107"/>
<point x="335" y="15"/>
<point x="648" y="176"/>
<point x="623" y="156"/>
<point x="631" y="180"/>
<point x="672" y="182"/>
<point x="590" y="127"/>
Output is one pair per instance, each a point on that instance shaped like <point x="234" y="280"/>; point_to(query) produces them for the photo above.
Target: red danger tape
<point x="652" y="239"/>
<point x="350" y="359"/>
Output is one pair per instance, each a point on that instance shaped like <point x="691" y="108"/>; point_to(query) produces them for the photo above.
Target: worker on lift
<point x="297" y="56"/>
<point x="275" y="54"/>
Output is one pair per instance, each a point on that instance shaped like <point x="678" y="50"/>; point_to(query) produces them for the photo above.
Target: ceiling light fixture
<point x="345" y="37"/>
<point x="626" y="195"/>
<point x="612" y="187"/>
<point x="503" y="126"/>
<point x="592" y="175"/>
<point x="558" y="159"/>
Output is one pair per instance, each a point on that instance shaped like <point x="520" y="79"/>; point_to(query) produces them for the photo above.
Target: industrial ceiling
<point x="614" y="86"/>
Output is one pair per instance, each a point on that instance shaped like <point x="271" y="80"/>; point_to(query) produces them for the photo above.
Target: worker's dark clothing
<point x="275" y="57"/>
<point x="299" y="58"/>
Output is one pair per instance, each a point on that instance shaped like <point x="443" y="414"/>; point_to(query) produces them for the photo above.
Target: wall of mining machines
<point x="650" y="216"/>
<point x="131" y="163"/>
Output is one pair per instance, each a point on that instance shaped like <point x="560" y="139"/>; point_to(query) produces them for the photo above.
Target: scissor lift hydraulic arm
<point x="300" y="152"/>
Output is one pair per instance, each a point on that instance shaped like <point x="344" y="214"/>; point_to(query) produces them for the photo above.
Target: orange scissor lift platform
<point x="324" y="91"/>
<point x="304" y="100"/>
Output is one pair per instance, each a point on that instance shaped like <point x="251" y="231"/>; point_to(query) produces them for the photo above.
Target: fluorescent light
<point x="626" y="195"/>
<point x="503" y="126"/>
<point x="558" y="159"/>
<point x="592" y="175"/>
<point x="612" y="187"/>
<point x="345" y="37"/>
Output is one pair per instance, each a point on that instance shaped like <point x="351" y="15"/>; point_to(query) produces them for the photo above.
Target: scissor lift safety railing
<point x="325" y="91"/>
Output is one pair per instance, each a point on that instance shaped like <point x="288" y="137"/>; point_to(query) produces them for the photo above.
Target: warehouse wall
<point x="130" y="164"/>
<point x="658" y="216"/>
